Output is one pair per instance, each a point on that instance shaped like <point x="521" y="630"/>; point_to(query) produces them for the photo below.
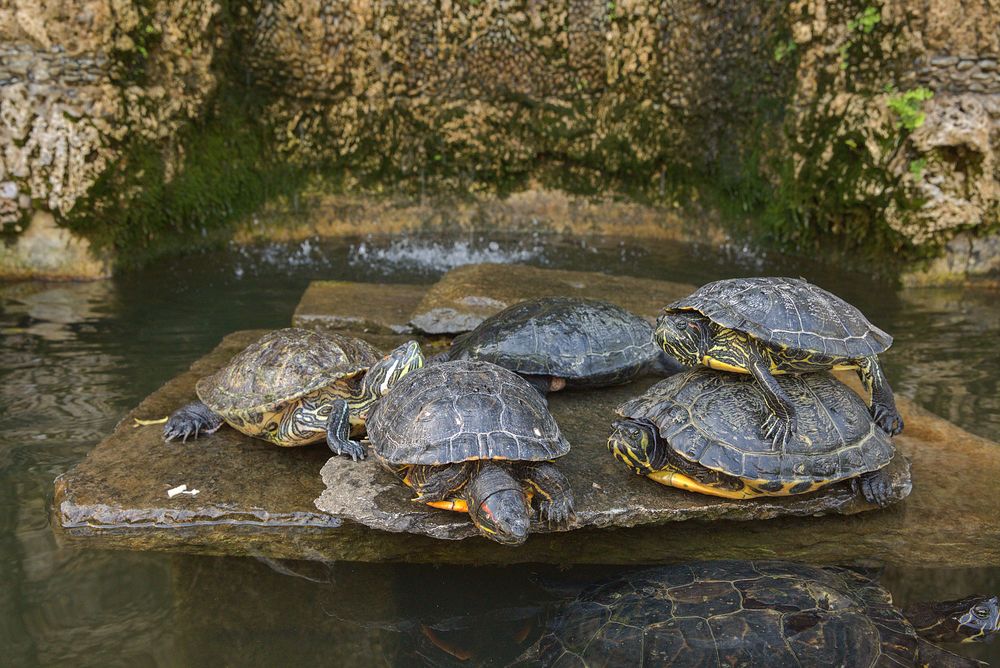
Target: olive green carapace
<point x="462" y="411"/>
<point x="735" y="613"/>
<point x="285" y="371"/>
<point x="712" y="423"/>
<point x="586" y="342"/>
<point x="789" y="312"/>
<point x="471" y="436"/>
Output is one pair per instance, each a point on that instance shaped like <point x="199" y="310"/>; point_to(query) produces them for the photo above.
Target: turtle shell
<point x="729" y="613"/>
<point x="788" y="312"/>
<point x="283" y="365"/>
<point x="716" y="420"/>
<point x="460" y="411"/>
<point x="565" y="337"/>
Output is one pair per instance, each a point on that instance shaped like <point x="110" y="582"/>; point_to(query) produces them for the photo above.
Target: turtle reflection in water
<point x="294" y="387"/>
<point x="704" y="431"/>
<point x="755" y="613"/>
<point x="557" y="342"/>
<point x="474" y="437"/>
<point x="768" y="326"/>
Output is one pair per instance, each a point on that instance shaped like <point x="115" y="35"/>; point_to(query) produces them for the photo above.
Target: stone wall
<point x="795" y="112"/>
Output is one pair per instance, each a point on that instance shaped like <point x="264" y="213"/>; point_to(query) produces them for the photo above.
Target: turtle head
<point x="388" y="370"/>
<point x="635" y="443"/>
<point x="683" y="334"/>
<point x="498" y="506"/>
<point x="971" y="619"/>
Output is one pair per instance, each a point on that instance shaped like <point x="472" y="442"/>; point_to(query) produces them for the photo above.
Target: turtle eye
<point x="981" y="612"/>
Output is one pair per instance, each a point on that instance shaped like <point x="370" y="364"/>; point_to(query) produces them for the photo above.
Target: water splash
<point x="435" y="257"/>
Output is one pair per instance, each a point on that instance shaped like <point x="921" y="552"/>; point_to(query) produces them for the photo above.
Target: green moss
<point x="225" y="170"/>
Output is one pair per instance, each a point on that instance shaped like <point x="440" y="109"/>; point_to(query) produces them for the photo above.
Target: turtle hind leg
<point x="883" y="402"/>
<point x="338" y="432"/>
<point x="191" y="421"/>
<point x="876" y="488"/>
<point x="779" y="425"/>
<point x="546" y="485"/>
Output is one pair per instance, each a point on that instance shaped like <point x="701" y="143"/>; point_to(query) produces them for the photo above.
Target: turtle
<point x="557" y="342"/>
<point x="704" y="431"/>
<point x="471" y="436"/>
<point x="754" y="613"/>
<point x="295" y="387"/>
<point x="768" y="326"/>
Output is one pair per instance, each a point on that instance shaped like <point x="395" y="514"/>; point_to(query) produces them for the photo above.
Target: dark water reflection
<point x="75" y="357"/>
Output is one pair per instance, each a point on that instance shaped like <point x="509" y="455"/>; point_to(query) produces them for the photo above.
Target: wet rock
<point x="342" y="305"/>
<point x="47" y="251"/>
<point x="468" y="295"/>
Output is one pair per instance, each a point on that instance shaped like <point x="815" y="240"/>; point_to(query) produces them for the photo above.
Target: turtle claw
<point x="556" y="512"/>
<point x="887" y="418"/>
<point x="778" y="430"/>
<point x="191" y="421"/>
<point x="355" y="450"/>
<point x="875" y="487"/>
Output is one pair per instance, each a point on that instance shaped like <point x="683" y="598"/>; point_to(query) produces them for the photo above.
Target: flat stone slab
<point x="256" y="499"/>
<point x="467" y="295"/>
<point x="364" y="307"/>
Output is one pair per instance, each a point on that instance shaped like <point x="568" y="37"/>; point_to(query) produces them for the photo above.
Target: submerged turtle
<point x="768" y="326"/>
<point x="755" y="613"/>
<point x="704" y="431"/>
<point x="295" y="387"/>
<point x="474" y="437"/>
<point x="558" y="342"/>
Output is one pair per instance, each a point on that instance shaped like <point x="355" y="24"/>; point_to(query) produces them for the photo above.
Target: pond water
<point x="75" y="357"/>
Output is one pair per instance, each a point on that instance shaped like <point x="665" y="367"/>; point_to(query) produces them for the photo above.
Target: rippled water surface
<point x="75" y="357"/>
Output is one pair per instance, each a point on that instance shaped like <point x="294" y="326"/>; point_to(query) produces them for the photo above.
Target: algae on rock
<point x="177" y="116"/>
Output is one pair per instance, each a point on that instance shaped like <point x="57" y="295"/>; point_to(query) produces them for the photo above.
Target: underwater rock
<point x="467" y="295"/>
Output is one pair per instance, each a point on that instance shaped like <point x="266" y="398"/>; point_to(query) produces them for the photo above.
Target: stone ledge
<point x="341" y="305"/>
<point x="258" y="500"/>
<point x="467" y="295"/>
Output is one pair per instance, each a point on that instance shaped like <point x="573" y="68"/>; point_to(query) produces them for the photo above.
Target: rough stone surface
<point x="46" y="251"/>
<point x="257" y="499"/>
<point x="76" y="78"/>
<point x="758" y="98"/>
<point x="467" y="295"/>
<point x="966" y="258"/>
<point x="337" y="305"/>
<point x="530" y="211"/>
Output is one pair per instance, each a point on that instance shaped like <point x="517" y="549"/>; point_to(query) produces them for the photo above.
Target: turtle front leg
<point x="338" y="432"/>
<point x="547" y="485"/>
<point x="779" y="425"/>
<point x="881" y="399"/>
<point x="191" y="421"/>
<point x="434" y="484"/>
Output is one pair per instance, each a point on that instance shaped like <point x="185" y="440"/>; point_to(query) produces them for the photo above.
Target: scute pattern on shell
<point x="789" y="312"/>
<point x="463" y="410"/>
<point x="770" y="612"/>
<point x="565" y="337"/>
<point x="716" y="420"/>
<point x="282" y="365"/>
